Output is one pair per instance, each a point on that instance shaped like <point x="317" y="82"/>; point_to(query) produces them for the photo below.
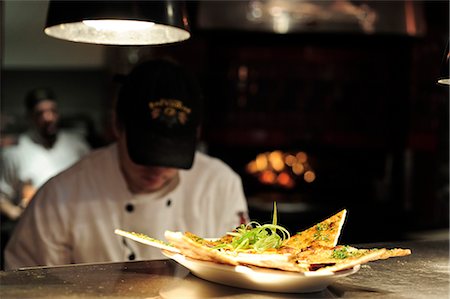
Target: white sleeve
<point x="40" y="237"/>
<point x="235" y="210"/>
<point x="9" y="179"/>
<point x="84" y="148"/>
<point x="80" y="144"/>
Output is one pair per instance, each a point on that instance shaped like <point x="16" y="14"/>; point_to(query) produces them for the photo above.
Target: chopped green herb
<point x="321" y="226"/>
<point x="258" y="237"/>
<point x="321" y="237"/>
<point x="341" y="253"/>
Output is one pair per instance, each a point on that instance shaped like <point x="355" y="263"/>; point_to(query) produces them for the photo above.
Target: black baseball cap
<point x="159" y="106"/>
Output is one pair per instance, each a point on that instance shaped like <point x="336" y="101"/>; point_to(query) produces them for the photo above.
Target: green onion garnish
<point x="256" y="236"/>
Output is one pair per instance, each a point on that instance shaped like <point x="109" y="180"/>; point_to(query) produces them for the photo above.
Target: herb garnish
<point x="258" y="237"/>
<point x="340" y="253"/>
<point x="318" y="235"/>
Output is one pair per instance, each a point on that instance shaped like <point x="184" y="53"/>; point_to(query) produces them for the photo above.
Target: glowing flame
<point x="282" y="169"/>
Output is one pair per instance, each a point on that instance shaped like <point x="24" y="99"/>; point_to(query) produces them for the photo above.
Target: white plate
<point x="260" y="279"/>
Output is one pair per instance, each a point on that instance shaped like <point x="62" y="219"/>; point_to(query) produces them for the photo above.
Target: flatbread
<point x="362" y="258"/>
<point x="144" y="239"/>
<point x="312" y="259"/>
<point x="314" y="249"/>
<point x="345" y="257"/>
<point x="196" y="249"/>
<point x="395" y="252"/>
<point x="323" y="234"/>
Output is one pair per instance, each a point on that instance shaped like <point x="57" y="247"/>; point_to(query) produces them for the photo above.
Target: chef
<point x="150" y="180"/>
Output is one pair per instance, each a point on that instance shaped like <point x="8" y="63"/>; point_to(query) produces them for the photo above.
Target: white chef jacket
<point x="30" y="162"/>
<point x="73" y="216"/>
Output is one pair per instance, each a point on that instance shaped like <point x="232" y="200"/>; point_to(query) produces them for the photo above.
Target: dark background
<point x="366" y="108"/>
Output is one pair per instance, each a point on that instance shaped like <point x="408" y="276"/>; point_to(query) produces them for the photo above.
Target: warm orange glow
<point x="410" y="16"/>
<point x="309" y="176"/>
<point x="275" y="155"/>
<point x="282" y="169"/>
<point x="261" y="162"/>
<point x="243" y="73"/>
<point x="276" y="160"/>
<point x="267" y="177"/>
<point x="301" y="157"/>
<point x="285" y="180"/>
<point x="290" y="160"/>
<point x="251" y="167"/>
<point x="298" y="168"/>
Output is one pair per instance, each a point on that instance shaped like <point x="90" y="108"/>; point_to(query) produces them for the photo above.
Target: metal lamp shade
<point x="118" y="22"/>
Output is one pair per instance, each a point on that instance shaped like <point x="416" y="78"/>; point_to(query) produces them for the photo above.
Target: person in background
<point x="41" y="152"/>
<point x="150" y="180"/>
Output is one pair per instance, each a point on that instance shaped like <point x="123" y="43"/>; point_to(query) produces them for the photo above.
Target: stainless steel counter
<point x="424" y="274"/>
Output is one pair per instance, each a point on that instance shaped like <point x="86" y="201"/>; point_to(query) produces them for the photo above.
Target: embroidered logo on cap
<point x="170" y="111"/>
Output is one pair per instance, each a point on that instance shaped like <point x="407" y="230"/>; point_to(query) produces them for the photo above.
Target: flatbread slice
<point x="314" y="249"/>
<point x="344" y="256"/>
<point x="395" y="252"/>
<point x="203" y="249"/>
<point x="271" y="260"/>
<point x="323" y="234"/>
<point x="144" y="239"/>
<point x="195" y="248"/>
<point x="361" y="258"/>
